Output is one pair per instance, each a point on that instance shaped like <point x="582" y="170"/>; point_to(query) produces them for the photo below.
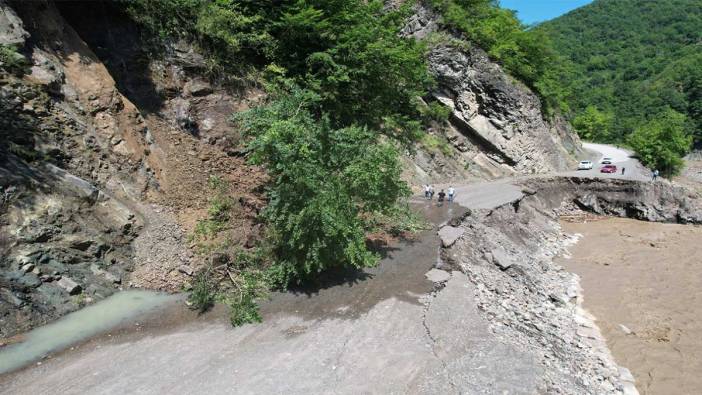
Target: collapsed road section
<point x="532" y="303"/>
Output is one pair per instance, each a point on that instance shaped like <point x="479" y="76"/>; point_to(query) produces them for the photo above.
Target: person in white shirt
<point x="451" y="193"/>
<point x="426" y="191"/>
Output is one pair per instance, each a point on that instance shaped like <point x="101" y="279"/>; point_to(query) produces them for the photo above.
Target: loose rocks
<point x="449" y="235"/>
<point x="70" y="286"/>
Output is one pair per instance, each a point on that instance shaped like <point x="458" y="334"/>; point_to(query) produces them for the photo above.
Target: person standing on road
<point x="431" y="192"/>
<point x="426" y="191"/>
<point x="442" y="194"/>
<point x="623" y="170"/>
<point x="654" y="175"/>
<point x="451" y="193"/>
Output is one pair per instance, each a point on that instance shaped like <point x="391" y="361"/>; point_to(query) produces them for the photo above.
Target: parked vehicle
<point x="606" y="161"/>
<point x="608" y="169"/>
<point x="585" y="165"/>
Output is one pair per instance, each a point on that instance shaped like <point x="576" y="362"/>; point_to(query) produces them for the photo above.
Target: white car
<point x="585" y="165"/>
<point x="606" y="161"/>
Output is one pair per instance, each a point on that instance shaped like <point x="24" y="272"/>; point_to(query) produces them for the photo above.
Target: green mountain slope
<point x="630" y="61"/>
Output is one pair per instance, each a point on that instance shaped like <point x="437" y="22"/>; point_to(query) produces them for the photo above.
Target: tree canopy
<point x="325" y="182"/>
<point x="662" y="141"/>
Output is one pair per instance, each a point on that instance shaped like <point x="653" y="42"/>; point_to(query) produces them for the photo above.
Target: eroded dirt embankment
<point x="531" y="301"/>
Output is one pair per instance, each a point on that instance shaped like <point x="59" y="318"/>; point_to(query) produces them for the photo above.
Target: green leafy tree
<point x="594" y="125"/>
<point x="325" y="182"/>
<point x="661" y="142"/>
<point x="349" y="53"/>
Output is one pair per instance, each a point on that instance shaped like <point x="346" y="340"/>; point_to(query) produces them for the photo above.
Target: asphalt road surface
<point x="620" y="158"/>
<point x="380" y="332"/>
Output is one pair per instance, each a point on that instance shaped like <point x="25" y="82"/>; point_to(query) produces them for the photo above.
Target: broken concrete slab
<point x="437" y="276"/>
<point x="449" y="235"/>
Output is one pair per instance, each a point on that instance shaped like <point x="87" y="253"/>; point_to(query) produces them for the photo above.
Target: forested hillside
<point x="635" y="65"/>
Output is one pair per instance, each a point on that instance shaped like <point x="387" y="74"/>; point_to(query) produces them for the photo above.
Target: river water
<point x="643" y="283"/>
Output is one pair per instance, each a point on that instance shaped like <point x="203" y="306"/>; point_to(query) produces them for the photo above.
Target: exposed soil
<point x="646" y="277"/>
<point x="691" y="175"/>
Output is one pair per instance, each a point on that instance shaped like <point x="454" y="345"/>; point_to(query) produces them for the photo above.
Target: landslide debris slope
<point x="105" y="155"/>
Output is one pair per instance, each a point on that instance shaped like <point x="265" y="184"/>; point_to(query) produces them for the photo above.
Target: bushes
<point x="12" y="61"/>
<point x="202" y="296"/>
<point x="218" y="211"/>
<point x="436" y="112"/>
<point x="432" y="142"/>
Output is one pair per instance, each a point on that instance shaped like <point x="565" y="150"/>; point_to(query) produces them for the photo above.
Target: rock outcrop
<point x="496" y="124"/>
<point x="105" y="155"/>
<point x="658" y="201"/>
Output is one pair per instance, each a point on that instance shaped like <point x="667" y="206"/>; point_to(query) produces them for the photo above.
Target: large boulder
<point x="11" y="28"/>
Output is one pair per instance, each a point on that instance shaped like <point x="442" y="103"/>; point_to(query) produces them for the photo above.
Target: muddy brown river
<point x="643" y="282"/>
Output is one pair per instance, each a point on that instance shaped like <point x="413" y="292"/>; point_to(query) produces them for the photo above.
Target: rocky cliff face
<point x="105" y="154"/>
<point x="496" y="123"/>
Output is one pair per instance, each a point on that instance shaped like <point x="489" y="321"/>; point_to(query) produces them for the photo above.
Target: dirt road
<point x="383" y="331"/>
<point x="643" y="282"/>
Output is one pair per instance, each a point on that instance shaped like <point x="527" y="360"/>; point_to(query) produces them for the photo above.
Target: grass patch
<point x="12" y="61"/>
<point x="432" y="142"/>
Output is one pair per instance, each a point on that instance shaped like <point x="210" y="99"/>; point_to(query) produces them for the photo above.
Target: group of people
<point x="429" y="193"/>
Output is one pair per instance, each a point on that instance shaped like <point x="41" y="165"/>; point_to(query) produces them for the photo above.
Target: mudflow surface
<point x="643" y="282"/>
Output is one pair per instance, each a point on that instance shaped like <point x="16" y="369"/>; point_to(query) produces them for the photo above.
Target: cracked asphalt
<point x="387" y="330"/>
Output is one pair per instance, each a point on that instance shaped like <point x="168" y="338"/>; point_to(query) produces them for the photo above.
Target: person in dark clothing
<point x="442" y="195"/>
<point x="623" y="169"/>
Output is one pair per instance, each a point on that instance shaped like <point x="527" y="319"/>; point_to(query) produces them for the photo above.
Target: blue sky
<point x="530" y="11"/>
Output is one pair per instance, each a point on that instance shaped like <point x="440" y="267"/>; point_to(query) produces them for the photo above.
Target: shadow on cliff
<point x="120" y="45"/>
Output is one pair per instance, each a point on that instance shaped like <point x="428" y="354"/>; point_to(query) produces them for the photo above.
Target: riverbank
<point x="643" y="282"/>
